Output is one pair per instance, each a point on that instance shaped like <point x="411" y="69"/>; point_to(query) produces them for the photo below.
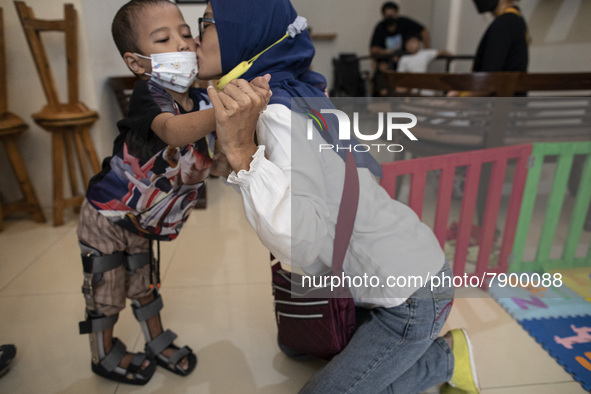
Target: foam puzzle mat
<point x="558" y="318"/>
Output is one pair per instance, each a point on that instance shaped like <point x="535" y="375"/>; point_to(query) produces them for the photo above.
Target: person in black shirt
<point x="504" y="45"/>
<point x="386" y="44"/>
<point x="393" y="30"/>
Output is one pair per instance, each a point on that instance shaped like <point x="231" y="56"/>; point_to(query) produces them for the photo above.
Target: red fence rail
<point x="473" y="161"/>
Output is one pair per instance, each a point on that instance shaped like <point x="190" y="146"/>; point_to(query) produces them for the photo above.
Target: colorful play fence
<point x="530" y="159"/>
<point x="564" y="154"/>
<point x="473" y="162"/>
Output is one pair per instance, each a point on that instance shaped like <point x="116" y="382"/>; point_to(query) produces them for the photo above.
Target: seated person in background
<point x="416" y="59"/>
<point x="386" y="60"/>
<point x="387" y="42"/>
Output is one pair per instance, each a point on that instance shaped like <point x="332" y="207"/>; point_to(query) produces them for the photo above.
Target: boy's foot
<point x="169" y="352"/>
<point x="120" y="366"/>
<point x="128" y="358"/>
<point x="464" y="378"/>
<point x="160" y="343"/>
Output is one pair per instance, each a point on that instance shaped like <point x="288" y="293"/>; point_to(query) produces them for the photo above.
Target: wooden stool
<point x="11" y="126"/>
<point x="69" y="123"/>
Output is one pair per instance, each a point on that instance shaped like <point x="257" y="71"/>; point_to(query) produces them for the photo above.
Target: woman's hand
<point x="237" y="109"/>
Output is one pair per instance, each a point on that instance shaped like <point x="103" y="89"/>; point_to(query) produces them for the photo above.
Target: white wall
<point x="561" y="35"/>
<point x="559" y="28"/>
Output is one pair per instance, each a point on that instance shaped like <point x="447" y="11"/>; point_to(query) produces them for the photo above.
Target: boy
<point x="146" y="190"/>
<point x="416" y="59"/>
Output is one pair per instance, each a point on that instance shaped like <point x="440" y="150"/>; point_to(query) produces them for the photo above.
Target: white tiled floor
<point x="217" y="296"/>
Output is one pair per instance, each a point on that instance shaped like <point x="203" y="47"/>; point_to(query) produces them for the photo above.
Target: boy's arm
<point x="184" y="129"/>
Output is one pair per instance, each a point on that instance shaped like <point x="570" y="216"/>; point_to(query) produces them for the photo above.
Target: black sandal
<point x="165" y="340"/>
<point x="7" y="354"/>
<point x="109" y="368"/>
<point x="155" y="346"/>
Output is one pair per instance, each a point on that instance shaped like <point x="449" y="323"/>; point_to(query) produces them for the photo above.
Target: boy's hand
<point x="237" y="109"/>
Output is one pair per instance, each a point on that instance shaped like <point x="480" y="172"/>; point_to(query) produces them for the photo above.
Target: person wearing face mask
<point x="504" y="45"/>
<point x="292" y="193"/>
<point x="147" y="188"/>
<point x="386" y="45"/>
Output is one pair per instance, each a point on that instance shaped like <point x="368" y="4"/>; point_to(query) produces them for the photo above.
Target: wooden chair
<point x="68" y="122"/>
<point x="122" y="87"/>
<point x="11" y="126"/>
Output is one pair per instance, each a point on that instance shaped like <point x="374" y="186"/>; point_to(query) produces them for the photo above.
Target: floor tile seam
<point x="72" y="293"/>
<point x="217" y="285"/>
<point x="33" y="261"/>
<point x="525" y="385"/>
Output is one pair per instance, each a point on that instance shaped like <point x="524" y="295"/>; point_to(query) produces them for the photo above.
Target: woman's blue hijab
<point x="247" y="27"/>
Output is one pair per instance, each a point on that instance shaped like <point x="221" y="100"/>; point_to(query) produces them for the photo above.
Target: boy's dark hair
<point x="389" y="4"/>
<point x="124" y="24"/>
<point x="414" y="35"/>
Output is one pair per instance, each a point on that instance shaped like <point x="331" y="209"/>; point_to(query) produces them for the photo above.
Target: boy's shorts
<point x="97" y="233"/>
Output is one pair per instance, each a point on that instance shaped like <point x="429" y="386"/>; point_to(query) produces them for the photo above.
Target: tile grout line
<point x="523" y="385"/>
<point x="33" y="261"/>
<point x="180" y="287"/>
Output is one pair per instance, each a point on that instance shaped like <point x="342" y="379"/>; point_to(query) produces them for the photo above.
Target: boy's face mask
<point x="173" y="70"/>
<point x="486" y="5"/>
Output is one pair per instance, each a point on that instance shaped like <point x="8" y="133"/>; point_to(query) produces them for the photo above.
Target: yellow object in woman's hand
<point x="236" y="72"/>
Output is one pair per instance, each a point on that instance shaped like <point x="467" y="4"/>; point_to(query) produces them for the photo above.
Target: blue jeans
<point x="394" y="350"/>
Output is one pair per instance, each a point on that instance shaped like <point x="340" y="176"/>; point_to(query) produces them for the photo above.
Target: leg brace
<point x="96" y="322"/>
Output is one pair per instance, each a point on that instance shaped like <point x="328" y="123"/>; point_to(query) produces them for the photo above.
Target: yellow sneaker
<point x="464" y="379"/>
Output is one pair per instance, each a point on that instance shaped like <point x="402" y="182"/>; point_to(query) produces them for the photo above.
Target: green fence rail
<point x="565" y="154"/>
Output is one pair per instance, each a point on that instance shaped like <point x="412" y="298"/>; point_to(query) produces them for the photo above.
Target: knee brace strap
<point x="135" y="261"/>
<point x="152" y="308"/>
<point x="97" y="264"/>
<point x="96" y="324"/>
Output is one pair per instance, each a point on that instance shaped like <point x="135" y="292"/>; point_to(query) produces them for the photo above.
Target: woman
<point x="395" y="347"/>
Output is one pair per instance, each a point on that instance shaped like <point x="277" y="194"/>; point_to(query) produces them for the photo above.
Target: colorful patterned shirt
<point x="146" y="186"/>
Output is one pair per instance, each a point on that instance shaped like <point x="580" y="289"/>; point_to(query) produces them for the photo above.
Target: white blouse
<point x="291" y="196"/>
